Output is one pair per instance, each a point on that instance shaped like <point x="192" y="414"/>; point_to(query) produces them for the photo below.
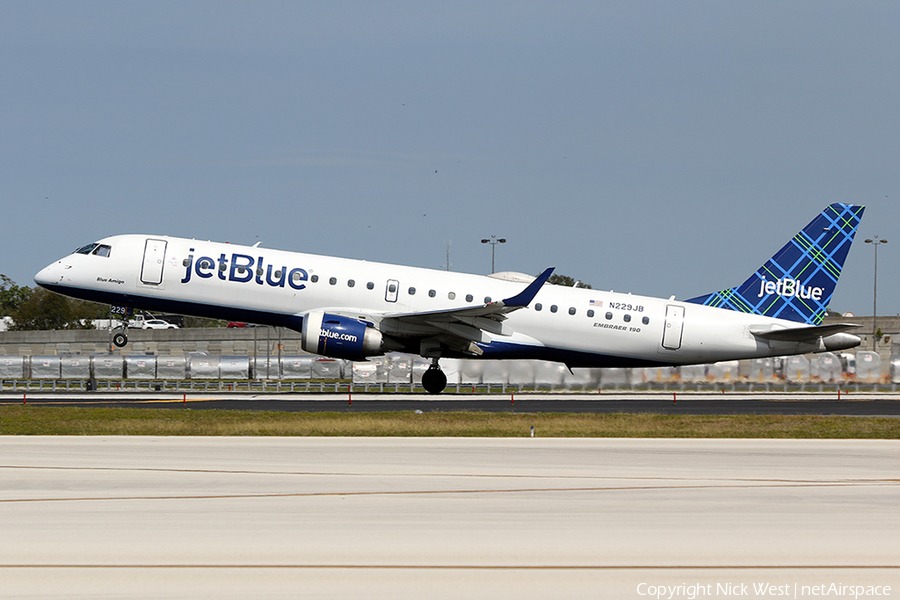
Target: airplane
<point x="354" y="309"/>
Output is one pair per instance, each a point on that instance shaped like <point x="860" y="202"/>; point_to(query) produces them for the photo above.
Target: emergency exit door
<point x="674" y="327"/>
<point x="154" y="259"/>
<point x="391" y="290"/>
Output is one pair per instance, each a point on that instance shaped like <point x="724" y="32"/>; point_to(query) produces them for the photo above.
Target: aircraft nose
<point x="51" y="274"/>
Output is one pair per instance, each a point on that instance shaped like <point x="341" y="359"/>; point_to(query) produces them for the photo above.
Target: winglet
<point x="525" y="297"/>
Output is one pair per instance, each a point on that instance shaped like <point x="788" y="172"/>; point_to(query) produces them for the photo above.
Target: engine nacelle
<point x="337" y="336"/>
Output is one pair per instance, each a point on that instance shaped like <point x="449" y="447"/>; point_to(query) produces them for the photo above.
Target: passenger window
<point x="608" y="316"/>
<point x="186" y="262"/>
<point x="432" y="293"/>
<point x="314" y="278"/>
<point x="451" y="295"/>
<point x="259" y="272"/>
<point x="627" y="318"/>
<point x="645" y="320"/>
<point x="469" y="298"/>
<point x="538" y="306"/>
<point x="333" y="280"/>
<point x="392" y="288"/>
<point x="572" y="310"/>
<point x="590" y="313"/>
<point x="487" y="299"/>
<point x="553" y="308"/>
<point x="241" y="270"/>
<point x="222" y="266"/>
<point x="350" y="283"/>
<point x="412" y="291"/>
<point x="370" y="286"/>
<point x="277" y="274"/>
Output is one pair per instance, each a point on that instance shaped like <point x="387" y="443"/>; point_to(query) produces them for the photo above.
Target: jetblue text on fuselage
<point x="243" y="269"/>
<point x="788" y="288"/>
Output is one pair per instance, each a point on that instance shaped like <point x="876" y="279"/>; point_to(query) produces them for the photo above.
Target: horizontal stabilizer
<point x="803" y="334"/>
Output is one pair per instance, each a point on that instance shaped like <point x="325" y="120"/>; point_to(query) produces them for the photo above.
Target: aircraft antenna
<point x="447" y="264"/>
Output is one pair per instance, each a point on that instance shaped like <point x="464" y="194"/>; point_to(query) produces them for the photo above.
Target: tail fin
<point x="798" y="282"/>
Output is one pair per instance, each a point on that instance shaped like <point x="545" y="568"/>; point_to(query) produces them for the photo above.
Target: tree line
<point x="36" y="308"/>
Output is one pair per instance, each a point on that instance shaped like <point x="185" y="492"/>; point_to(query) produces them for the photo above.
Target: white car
<point x="157" y="324"/>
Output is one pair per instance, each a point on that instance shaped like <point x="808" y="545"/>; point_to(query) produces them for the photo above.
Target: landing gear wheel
<point x="434" y="381"/>
<point x="120" y="339"/>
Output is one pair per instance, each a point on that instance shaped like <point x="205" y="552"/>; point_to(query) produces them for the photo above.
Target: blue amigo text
<point x="242" y="268"/>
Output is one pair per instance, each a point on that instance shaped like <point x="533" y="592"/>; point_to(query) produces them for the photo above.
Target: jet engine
<point x="337" y="336"/>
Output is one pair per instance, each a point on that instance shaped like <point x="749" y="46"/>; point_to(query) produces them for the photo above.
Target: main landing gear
<point x="434" y="380"/>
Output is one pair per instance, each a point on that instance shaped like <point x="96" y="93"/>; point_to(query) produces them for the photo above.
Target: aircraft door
<point x="391" y="290"/>
<point x="674" y="327"/>
<point x="154" y="259"/>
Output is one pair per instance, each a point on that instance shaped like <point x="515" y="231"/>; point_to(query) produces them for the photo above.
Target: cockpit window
<point x="95" y="249"/>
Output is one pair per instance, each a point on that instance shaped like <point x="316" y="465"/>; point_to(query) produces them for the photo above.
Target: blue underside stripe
<point x="495" y="350"/>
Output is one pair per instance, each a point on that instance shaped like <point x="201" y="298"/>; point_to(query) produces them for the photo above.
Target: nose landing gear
<point x="434" y="380"/>
<point x="120" y="339"/>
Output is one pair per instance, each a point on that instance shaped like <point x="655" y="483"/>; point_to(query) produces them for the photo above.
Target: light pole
<point x="493" y="242"/>
<point x="875" y="242"/>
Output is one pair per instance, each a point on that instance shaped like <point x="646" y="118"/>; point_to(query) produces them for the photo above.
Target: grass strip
<point x="35" y="420"/>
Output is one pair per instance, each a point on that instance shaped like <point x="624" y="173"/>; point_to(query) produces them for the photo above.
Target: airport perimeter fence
<point x="403" y="373"/>
<point x="349" y="387"/>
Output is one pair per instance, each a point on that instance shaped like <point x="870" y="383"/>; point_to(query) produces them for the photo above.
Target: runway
<point x="705" y="403"/>
<point x="139" y="517"/>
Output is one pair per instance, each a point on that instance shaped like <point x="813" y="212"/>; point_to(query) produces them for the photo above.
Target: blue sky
<point x="654" y="147"/>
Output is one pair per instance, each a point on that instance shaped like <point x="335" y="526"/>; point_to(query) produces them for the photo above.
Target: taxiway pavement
<point x="153" y="517"/>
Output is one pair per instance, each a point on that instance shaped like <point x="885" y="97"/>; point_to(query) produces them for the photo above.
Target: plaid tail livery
<point x="797" y="283"/>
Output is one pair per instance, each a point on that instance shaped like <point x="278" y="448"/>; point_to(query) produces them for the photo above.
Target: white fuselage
<point x="582" y="327"/>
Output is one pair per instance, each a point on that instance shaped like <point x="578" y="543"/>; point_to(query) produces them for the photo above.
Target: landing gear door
<point x="673" y="328"/>
<point x="391" y="290"/>
<point x="154" y="260"/>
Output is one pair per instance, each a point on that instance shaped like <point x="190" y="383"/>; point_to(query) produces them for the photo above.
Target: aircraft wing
<point x="803" y="334"/>
<point x="460" y="328"/>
